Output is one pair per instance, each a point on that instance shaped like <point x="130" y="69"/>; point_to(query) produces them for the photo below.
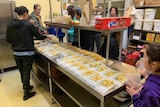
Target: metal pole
<point x="79" y="38"/>
<point x="121" y="43"/>
<point x="50" y="9"/>
<point x="107" y="48"/>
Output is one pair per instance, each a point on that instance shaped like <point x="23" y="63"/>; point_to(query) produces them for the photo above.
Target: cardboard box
<point x="112" y="22"/>
<point x="157" y="38"/>
<point x="138" y="2"/>
<point x="150" y="37"/>
<point x="152" y="2"/>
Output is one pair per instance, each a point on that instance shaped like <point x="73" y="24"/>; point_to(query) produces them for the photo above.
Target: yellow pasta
<point x="121" y="77"/>
<point x="96" y="77"/>
<point x="107" y="83"/>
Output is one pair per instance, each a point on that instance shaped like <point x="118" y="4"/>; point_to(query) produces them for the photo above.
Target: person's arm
<point x="36" y="34"/>
<point x="147" y="99"/>
<point x="9" y="35"/>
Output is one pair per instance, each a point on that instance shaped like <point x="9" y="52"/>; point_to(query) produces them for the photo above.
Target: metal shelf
<point x="43" y="70"/>
<point x="64" y="100"/>
<point x="143" y="41"/>
<point x="42" y="79"/>
<point x="149" y="6"/>
<point x="42" y="64"/>
<point x="151" y="31"/>
<point x="77" y="94"/>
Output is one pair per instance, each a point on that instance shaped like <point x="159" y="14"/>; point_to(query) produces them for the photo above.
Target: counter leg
<point x="120" y="47"/>
<point x="102" y="104"/>
<point x="79" y="39"/>
<point x="50" y="79"/>
<point x="67" y="37"/>
<point x="107" y="48"/>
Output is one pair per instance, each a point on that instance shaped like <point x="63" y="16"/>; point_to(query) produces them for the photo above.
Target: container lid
<point x="139" y="9"/>
<point x="150" y="9"/>
<point x="148" y="20"/>
<point x="157" y="20"/>
<point x="139" y="20"/>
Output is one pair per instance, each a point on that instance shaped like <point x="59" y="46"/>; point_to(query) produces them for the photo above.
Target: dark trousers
<point x="24" y="64"/>
<point x="95" y="37"/>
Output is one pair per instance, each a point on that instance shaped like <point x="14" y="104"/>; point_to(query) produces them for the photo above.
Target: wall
<point x="44" y="5"/>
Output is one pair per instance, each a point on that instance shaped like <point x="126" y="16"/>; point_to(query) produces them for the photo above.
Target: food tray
<point x="119" y="79"/>
<point x="104" y="89"/>
<point x="87" y="74"/>
<point x="94" y="79"/>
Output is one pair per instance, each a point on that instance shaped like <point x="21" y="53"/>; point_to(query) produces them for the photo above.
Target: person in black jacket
<point x="20" y="34"/>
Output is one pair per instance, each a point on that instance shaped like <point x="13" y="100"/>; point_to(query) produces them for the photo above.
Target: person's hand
<point x="131" y="83"/>
<point x="137" y="63"/>
<point x="45" y="32"/>
<point x="144" y="73"/>
<point x="132" y="91"/>
<point x="49" y="37"/>
<point x="69" y="43"/>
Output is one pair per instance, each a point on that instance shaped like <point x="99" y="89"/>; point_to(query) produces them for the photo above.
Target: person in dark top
<point x="20" y="34"/>
<point x="114" y="40"/>
<point x="148" y="94"/>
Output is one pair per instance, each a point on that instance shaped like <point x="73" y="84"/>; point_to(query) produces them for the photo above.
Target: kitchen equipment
<point x="6" y="14"/>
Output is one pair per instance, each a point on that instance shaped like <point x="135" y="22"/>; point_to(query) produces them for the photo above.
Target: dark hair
<point x="153" y="52"/>
<point x="71" y="10"/>
<point x="35" y="6"/>
<point x="21" y="10"/>
<point x="113" y="7"/>
<point x="79" y="12"/>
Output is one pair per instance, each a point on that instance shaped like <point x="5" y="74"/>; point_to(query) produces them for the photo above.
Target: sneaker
<point x="29" y="95"/>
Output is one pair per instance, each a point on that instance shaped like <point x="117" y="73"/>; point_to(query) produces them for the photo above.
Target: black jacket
<point x="20" y="34"/>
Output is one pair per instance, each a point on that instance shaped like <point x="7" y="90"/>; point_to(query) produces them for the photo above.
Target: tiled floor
<point x="11" y="92"/>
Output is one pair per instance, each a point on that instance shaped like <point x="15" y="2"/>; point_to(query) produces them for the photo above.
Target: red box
<point x="112" y="22"/>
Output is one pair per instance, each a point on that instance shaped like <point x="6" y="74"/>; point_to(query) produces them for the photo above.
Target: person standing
<point x="71" y="12"/>
<point x="114" y="40"/>
<point x="20" y="34"/>
<point x="37" y="18"/>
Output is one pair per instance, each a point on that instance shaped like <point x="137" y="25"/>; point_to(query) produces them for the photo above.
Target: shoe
<point x="29" y="95"/>
<point x="30" y="88"/>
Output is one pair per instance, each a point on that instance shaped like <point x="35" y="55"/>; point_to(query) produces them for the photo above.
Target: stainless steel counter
<point x="122" y="67"/>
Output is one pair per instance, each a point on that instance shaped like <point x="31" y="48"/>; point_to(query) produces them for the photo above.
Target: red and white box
<point x="112" y="22"/>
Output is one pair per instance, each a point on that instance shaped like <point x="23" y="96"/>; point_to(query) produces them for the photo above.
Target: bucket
<point x="138" y="24"/>
<point x="157" y="25"/>
<point x="140" y="13"/>
<point x="147" y="24"/>
<point x="150" y="13"/>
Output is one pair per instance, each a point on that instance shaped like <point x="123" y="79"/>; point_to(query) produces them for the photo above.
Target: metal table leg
<point x="120" y="47"/>
<point x="107" y="48"/>
<point x="102" y="104"/>
<point x="79" y="39"/>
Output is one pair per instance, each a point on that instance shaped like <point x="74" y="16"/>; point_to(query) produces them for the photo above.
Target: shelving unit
<point x="144" y="32"/>
<point x="42" y="79"/>
<point x="43" y="75"/>
<point x="77" y="94"/>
